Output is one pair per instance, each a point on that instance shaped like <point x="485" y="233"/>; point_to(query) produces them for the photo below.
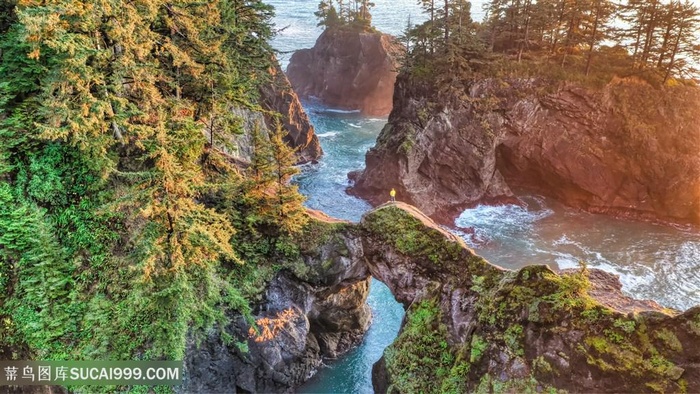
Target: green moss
<point x="530" y="385"/>
<point x="614" y="336"/>
<point x="508" y="304"/>
<point x="411" y="237"/>
<point x="541" y="366"/>
<point x="656" y="387"/>
<point x="407" y="145"/>
<point x="478" y="347"/>
<point x="694" y="324"/>
<point x="420" y="359"/>
<point x="317" y="233"/>
<point x="669" y="339"/>
<point x="627" y="326"/>
<point x="478" y="284"/>
<point x="455" y="382"/>
<point x="513" y="338"/>
<point x="641" y="361"/>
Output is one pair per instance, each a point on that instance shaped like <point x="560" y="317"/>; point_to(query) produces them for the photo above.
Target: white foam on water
<point x="501" y="216"/>
<point x="327" y="134"/>
<point x="340" y="111"/>
<point x="653" y="262"/>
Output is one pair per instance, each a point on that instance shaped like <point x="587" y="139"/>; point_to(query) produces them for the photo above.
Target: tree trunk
<point x="523" y="42"/>
<point x="447" y="25"/>
<point x="667" y="34"/>
<point x="649" y="34"/>
<point x="593" y="38"/>
<point x="673" y="54"/>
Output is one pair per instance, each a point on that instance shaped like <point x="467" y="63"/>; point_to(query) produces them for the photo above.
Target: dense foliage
<point x="350" y="13"/>
<point x="123" y="229"/>
<point x="657" y="41"/>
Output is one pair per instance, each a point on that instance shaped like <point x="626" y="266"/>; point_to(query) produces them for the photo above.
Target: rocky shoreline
<point x="470" y="325"/>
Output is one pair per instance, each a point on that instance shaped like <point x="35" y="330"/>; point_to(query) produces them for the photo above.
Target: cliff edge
<point x="470" y="326"/>
<point x="278" y="97"/>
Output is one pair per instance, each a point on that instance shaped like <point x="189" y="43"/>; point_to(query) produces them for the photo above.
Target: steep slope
<point x="312" y="309"/>
<point x="279" y="98"/>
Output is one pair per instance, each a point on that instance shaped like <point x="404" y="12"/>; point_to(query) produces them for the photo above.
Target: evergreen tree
<point x="683" y="48"/>
<point x="602" y="13"/>
<point x="277" y="206"/>
<point x="355" y="13"/>
<point x="109" y="113"/>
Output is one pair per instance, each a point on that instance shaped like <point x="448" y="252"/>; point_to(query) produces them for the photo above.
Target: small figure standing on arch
<point x="392" y="193"/>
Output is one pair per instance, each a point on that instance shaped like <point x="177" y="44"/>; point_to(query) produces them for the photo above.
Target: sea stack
<point x="348" y="68"/>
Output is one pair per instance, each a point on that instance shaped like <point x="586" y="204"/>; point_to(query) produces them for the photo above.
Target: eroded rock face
<point x="284" y="108"/>
<point x="304" y="317"/>
<point x="628" y="150"/>
<point x="473" y="327"/>
<point x="348" y="69"/>
<point x="435" y="154"/>
<point x="279" y="97"/>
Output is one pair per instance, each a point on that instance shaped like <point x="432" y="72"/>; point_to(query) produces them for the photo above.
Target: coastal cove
<point x="389" y="196"/>
<point x="653" y="261"/>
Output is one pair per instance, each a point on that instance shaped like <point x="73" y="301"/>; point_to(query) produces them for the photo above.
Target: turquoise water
<point x="345" y="138"/>
<point x="656" y="262"/>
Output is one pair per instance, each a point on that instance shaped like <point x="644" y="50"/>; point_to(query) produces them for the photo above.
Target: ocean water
<point x="345" y="137"/>
<point x="655" y="262"/>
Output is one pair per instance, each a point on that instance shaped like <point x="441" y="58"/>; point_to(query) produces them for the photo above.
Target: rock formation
<point x="279" y="98"/>
<point x="318" y="310"/>
<point x="470" y="326"/>
<point x="348" y="68"/>
<point x="282" y="106"/>
<point x="473" y="327"/>
<point x="628" y="149"/>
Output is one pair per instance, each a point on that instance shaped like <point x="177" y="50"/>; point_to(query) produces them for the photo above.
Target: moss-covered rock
<point x="473" y="327"/>
<point x="307" y="304"/>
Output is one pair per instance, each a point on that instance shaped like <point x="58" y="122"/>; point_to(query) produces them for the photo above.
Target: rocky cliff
<point x="348" y="68"/>
<point x="473" y="327"/>
<point x="309" y="311"/>
<point x="470" y="326"/>
<point x="281" y="106"/>
<point x="278" y="97"/>
<point x="627" y="149"/>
